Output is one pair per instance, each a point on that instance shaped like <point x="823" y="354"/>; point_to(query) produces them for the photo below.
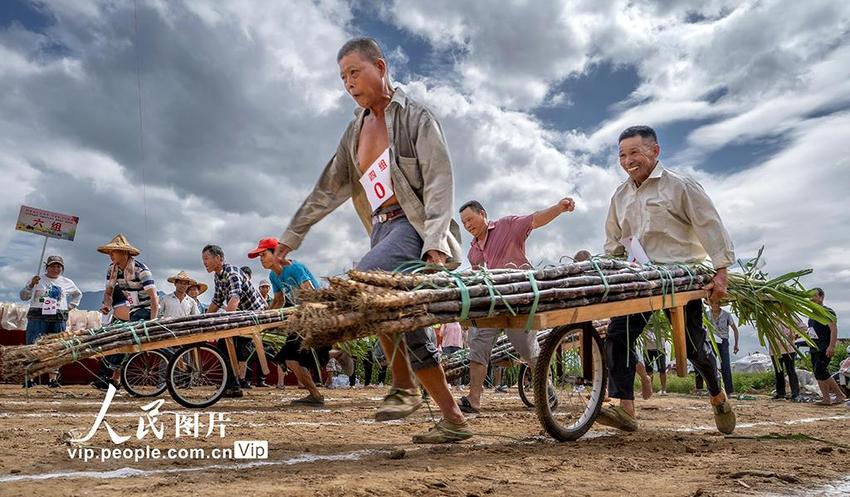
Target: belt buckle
<point x="381" y="218"/>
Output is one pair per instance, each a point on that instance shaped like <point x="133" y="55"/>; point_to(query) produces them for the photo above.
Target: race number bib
<point x="49" y="306"/>
<point x="377" y="182"/>
<point x="635" y="250"/>
<point x="132" y="299"/>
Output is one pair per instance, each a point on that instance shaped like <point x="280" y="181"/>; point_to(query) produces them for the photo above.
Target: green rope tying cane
<point x="533" y="309"/>
<point x="598" y="269"/>
<point x="464" y="297"/>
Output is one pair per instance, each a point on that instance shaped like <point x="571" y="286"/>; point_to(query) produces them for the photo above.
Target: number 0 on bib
<point x="377" y="181"/>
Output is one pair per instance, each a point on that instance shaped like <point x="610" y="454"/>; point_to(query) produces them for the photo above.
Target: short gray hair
<point x="367" y="47"/>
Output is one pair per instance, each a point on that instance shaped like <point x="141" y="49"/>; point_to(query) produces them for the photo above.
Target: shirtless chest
<point x="371" y="143"/>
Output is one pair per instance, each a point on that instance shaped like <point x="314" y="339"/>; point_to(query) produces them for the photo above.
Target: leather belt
<point x="383" y="217"/>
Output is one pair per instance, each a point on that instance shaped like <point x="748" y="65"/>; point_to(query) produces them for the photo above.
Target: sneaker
<point x="617" y="417"/>
<point x="263" y="384"/>
<point x="502" y="389"/>
<point x="233" y="393"/>
<point x="103" y="384"/>
<point x="444" y="432"/>
<point x="398" y="404"/>
<point x="280" y="386"/>
<point x="245" y="384"/>
<point x="54" y="383"/>
<point x="724" y="417"/>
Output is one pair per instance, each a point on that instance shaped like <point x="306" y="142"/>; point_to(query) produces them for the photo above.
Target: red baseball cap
<point x="265" y="244"/>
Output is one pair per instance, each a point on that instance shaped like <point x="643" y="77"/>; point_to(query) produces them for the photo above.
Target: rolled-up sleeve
<point x="707" y="225"/>
<point x="438" y="193"/>
<point x="332" y="189"/>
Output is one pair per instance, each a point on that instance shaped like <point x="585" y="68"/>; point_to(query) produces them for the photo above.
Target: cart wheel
<point x="143" y="374"/>
<point x="525" y="385"/>
<point x="571" y="373"/>
<point x="197" y="376"/>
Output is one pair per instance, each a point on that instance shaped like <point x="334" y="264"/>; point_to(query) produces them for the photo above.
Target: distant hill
<point x="91" y="301"/>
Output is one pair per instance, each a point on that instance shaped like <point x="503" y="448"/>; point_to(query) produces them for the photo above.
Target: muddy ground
<point x="340" y="450"/>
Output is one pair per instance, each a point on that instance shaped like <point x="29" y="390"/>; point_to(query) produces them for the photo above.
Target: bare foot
<point x="645" y="388"/>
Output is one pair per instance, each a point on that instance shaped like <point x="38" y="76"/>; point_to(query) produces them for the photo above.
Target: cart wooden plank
<point x="575" y="315"/>
<point x="200" y="337"/>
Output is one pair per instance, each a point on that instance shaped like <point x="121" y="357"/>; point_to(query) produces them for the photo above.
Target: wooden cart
<point x="571" y="374"/>
<point x="193" y="370"/>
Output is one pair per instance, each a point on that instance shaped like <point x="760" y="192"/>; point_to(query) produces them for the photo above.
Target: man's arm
<point x="438" y="191"/>
<point x="735" y="330"/>
<point x="332" y="189"/>
<point x="546" y="216"/>
<point x="707" y="225"/>
<point x="833" y="339"/>
<point x="26" y="292"/>
<point x="154" y="301"/>
<point x="232" y="304"/>
<point x="213" y="308"/>
<point x="613" y="232"/>
<point x="74" y="296"/>
<point x="278" y="301"/>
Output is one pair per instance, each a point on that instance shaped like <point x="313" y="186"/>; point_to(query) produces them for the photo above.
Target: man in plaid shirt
<point x="233" y="291"/>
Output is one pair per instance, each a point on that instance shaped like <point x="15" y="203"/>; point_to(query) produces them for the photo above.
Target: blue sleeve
<point x="300" y="274"/>
<point x="277" y="287"/>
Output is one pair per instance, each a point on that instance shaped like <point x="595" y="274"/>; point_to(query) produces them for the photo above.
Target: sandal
<point x="466" y="406"/>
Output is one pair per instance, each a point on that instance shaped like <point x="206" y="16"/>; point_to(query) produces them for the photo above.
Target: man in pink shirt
<point x="495" y="245"/>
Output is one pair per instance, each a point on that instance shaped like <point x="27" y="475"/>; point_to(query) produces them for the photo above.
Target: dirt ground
<point x="340" y="450"/>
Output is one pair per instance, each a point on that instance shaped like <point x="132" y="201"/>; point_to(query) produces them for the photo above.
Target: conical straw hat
<point x="182" y="275"/>
<point x="202" y="287"/>
<point x="118" y="243"/>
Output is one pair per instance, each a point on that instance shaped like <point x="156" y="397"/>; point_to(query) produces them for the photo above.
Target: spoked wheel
<point x="571" y="368"/>
<point x="525" y="385"/>
<point x="197" y="376"/>
<point x="144" y="373"/>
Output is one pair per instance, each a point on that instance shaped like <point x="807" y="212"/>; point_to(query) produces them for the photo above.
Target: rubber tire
<point x="129" y="388"/>
<point x="172" y="364"/>
<point x="541" y="376"/>
<point x="524" y="371"/>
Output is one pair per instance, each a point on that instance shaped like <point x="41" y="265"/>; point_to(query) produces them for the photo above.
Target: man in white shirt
<point x="178" y="304"/>
<point x="51" y="297"/>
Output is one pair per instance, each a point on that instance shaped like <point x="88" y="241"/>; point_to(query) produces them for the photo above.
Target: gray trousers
<point x="394" y="243"/>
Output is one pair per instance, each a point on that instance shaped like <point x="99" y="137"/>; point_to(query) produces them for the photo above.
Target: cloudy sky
<point x="186" y="123"/>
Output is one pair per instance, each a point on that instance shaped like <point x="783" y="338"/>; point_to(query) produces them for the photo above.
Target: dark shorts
<point x="292" y="351"/>
<point x="820" y="362"/>
<point x="656" y="361"/>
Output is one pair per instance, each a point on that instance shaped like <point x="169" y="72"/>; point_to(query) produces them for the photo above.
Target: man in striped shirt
<point x="233" y="291"/>
<point x="130" y="284"/>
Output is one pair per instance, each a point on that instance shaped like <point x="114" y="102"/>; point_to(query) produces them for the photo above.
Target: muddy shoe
<point x="617" y="417"/>
<point x="724" y="418"/>
<point x="398" y="404"/>
<point x="308" y="401"/>
<point x="444" y="432"/>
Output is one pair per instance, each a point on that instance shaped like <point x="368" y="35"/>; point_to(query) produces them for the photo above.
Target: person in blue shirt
<point x="287" y="281"/>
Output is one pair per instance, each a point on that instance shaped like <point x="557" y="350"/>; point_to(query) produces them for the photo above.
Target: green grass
<point x="743" y="382"/>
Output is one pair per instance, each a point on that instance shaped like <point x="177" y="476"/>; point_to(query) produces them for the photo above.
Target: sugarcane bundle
<point x="54" y="351"/>
<point x="376" y="302"/>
